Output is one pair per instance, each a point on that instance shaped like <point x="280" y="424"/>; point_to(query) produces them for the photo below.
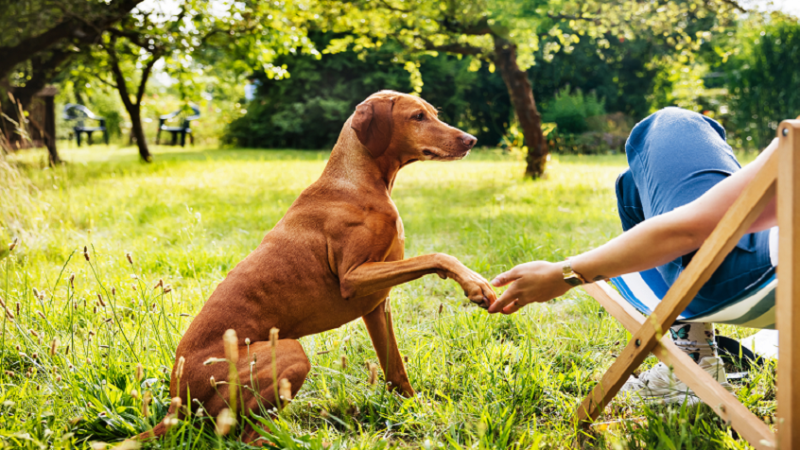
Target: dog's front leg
<point x="374" y="276"/>
<point x="379" y="325"/>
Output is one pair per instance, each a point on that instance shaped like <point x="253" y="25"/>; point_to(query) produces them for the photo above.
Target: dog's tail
<point x="159" y="430"/>
<point x="156" y="433"/>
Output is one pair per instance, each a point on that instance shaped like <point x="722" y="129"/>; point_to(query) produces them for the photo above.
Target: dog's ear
<point x="373" y="124"/>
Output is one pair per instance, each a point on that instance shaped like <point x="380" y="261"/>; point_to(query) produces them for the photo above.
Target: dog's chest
<point x="401" y="233"/>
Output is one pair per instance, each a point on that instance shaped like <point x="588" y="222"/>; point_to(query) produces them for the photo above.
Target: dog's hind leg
<point x="260" y="382"/>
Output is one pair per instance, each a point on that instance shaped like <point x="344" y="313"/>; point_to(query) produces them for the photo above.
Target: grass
<point x="483" y="381"/>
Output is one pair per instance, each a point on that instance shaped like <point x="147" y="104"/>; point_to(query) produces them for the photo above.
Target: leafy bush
<point x="582" y="126"/>
<point x="569" y="110"/>
<point x="763" y="80"/>
<point x="307" y="109"/>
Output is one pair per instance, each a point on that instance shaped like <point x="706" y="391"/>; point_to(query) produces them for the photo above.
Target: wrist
<point x="579" y="267"/>
<point x="570" y="275"/>
<point x="446" y="262"/>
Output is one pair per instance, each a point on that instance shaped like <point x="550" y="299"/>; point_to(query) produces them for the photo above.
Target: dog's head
<point x="407" y="128"/>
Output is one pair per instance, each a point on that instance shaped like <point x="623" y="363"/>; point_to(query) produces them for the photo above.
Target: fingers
<point x="505" y="278"/>
<point x="510" y="296"/>
<point x="512" y="308"/>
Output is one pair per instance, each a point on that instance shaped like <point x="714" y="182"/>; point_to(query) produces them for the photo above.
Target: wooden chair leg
<point x="788" y="290"/>
<point x="741" y="215"/>
<point x="704" y="385"/>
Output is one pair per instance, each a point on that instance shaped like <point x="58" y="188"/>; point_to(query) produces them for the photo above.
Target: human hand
<point x="537" y="281"/>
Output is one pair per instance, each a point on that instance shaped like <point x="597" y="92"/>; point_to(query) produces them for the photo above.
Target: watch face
<point x="573" y="281"/>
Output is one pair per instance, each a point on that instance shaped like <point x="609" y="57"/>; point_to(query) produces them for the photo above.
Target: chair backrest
<point x="73" y="111"/>
<point x="186" y="119"/>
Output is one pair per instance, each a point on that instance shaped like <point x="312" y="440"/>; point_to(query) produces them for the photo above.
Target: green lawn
<point x="483" y="381"/>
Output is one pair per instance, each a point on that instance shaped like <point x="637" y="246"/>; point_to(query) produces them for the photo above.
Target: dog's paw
<point x="477" y="289"/>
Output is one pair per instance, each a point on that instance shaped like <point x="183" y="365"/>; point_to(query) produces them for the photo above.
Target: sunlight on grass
<point x="188" y="218"/>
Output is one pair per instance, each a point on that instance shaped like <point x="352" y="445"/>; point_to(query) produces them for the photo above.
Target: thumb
<point x="505" y="278"/>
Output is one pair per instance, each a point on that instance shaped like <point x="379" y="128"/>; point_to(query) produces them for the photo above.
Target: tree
<point x="181" y="33"/>
<point x="307" y="109"/>
<point x="505" y="34"/>
<point x="43" y="36"/>
<point x="762" y="78"/>
<point x="35" y="26"/>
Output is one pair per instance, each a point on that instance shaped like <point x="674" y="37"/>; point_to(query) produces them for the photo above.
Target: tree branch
<point x="135" y="38"/>
<point x="10" y="56"/>
<point x="735" y="4"/>
<point x="44" y="67"/>
<point x="461" y="49"/>
<point x="145" y="75"/>
<point x="478" y="28"/>
<point x="103" y="80"/>
<point x="394" y="8"/>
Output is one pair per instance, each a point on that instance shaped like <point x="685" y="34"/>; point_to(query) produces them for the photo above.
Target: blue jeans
<point x="674" y="157"/>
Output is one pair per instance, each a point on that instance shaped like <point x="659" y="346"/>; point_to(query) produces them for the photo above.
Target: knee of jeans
<point x="677" y="117"/>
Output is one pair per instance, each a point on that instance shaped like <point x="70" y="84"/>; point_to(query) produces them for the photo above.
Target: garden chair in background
<point x="780" y="176"/>
<point x="80" y="114"/>
<point x="181" y="130"/>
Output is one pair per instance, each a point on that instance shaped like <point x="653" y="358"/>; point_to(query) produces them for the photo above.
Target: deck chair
<point x="780" y="176"/>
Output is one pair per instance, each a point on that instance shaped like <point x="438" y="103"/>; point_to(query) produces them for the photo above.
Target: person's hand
<point x="537" y="281"/>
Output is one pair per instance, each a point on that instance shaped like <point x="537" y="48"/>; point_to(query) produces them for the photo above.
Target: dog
<point x="333" y="258"/>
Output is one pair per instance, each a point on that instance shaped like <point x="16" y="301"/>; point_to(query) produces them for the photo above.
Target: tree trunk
<point x="50" y="130"/>
<point x="134" y="109"/>
<point x="138" y="132"/>
<point x="521" y="94"/>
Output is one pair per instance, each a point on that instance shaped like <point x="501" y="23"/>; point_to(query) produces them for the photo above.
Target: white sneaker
<point x="660" y="385"/>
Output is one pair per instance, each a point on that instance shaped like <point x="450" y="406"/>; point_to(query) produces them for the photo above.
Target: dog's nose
<point x="468" y="140"/>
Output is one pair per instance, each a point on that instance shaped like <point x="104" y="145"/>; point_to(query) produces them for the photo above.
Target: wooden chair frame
<point x="780" y="176"/>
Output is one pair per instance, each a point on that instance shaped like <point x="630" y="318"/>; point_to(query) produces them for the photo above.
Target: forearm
<point x="652" y="243"/>
<point x="375" y="276"/>
<point x="664" y="238"/>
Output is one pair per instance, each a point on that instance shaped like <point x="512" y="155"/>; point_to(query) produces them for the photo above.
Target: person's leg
<point x="697" y="339"/>
<point x="675" y="156"/>
<point x="629" y="206"/>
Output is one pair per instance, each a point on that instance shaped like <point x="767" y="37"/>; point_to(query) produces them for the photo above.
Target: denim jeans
<point x="674" y="156"/>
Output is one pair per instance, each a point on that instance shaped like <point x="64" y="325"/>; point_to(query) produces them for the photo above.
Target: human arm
<point x="653" y="242"/>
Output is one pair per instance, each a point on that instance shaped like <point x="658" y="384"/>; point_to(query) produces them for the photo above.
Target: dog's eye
<point x="419" y="117"/>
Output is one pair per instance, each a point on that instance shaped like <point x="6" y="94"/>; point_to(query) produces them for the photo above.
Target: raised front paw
<point x="476" y="288"/>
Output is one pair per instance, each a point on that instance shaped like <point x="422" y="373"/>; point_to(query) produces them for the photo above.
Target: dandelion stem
<point x="113" y="309"/>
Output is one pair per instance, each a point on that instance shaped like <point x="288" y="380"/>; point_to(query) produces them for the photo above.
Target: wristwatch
<point x="571" y="277"/>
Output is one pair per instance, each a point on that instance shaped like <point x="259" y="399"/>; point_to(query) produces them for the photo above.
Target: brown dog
<point x="333" y="258"/>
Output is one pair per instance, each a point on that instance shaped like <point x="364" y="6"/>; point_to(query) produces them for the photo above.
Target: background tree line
<point x="538" y="75"/>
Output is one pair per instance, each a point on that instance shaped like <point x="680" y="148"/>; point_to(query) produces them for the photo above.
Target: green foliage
<point x="569" y="110"/>
<point x="763" y="79"/>
<point x="483" y="381"/>
<point x="307" y="110"/>
<point x="617" y="70"/>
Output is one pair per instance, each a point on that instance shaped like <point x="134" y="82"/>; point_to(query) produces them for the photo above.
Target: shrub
<point x="569" y="110"/>
<point x="307" y="109"/>
<point x="763" y="80"/>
